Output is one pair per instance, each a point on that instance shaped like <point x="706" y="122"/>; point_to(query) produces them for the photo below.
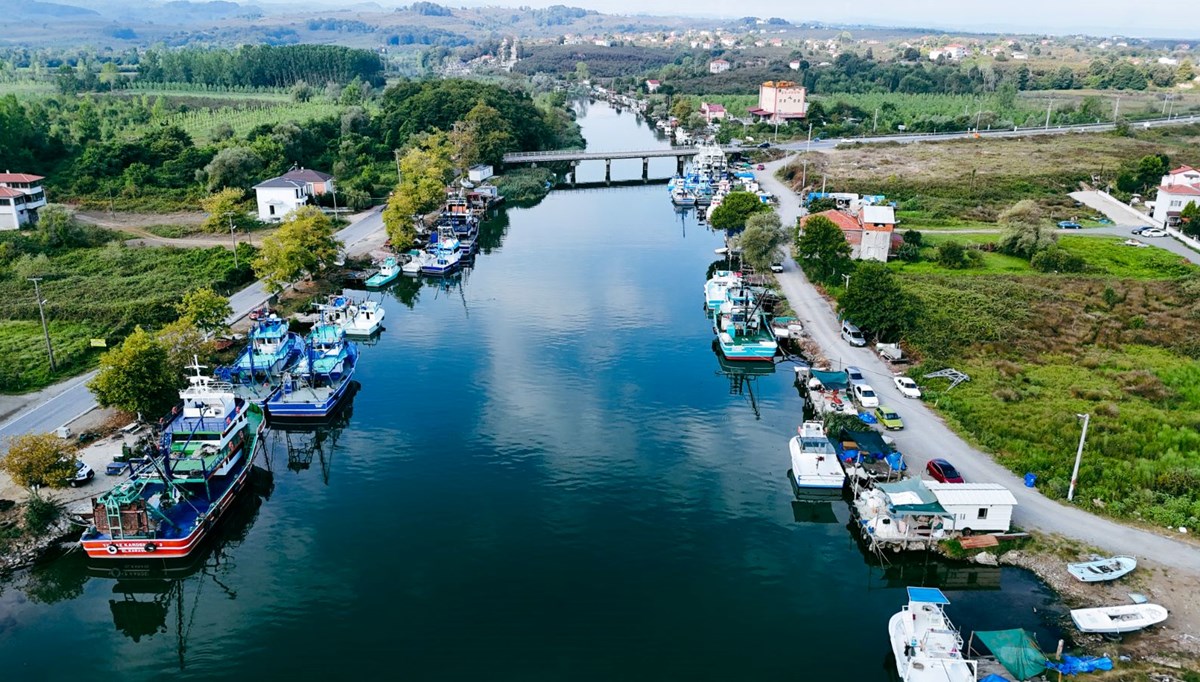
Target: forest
<point x="602" y="62"/>
<point x="262" y="65"/>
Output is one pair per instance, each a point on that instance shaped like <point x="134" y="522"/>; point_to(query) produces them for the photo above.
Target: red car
<point x="761" y="167"/>
<point x="943" y="471"/>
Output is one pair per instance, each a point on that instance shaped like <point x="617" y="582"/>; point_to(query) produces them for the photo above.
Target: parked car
<point x="1140" y="229"/>
<point x="943" y="472"/>
<point x="764" y="145"/>
<point x="1153" y="232"/>
<point x="865" y="396"/>
<point x="907" y="387"/>
<point x="760" y="167"/>
<point x="776" y="267"/>
<point x="1134" y="242"/>
<point x="888" y="418"/>
<point x="1069" y="225"/>
<point x="852" y="334"/>
<point x="855" y="376"/>
<point x="83" y="474"/>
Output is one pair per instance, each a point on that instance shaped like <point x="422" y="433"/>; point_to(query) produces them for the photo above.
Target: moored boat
<point x="271" y="349"/>
<point x="1115" y="620"/>
<point x="317" y="383"/>
<point x="716" y="289"/>
<point x="388" y="270"/>
<point x="682" y="197"/>
<point x="445" y="255"/>
<point x="1101" y="570"/>
<point x="415" y="262"/>
<point x="172" y="501"/>
<point x="742" y="328"/>
<point x="926" y="644"/>
<point x="814" y="460"/>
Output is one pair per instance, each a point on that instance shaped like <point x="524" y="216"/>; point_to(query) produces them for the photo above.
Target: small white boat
<point x="814" y="460"/>
<point x="415" y="262"/>
<point x="1113" y="620"/>
<point x="1101" y="570"/>
<point x="926" y="644"/>
<point x="363" y="319"/>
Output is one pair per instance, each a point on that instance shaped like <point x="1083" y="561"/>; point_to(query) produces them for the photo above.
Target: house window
<point x="1176" y="202"/>
<point x="982" y="513"/>
<point x="271" y="209"/>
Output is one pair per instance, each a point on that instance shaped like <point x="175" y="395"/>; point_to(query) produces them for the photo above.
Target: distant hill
<point x="50" y="9"/>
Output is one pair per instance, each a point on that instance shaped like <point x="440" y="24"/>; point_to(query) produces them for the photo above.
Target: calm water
<point x="546" y="475"/>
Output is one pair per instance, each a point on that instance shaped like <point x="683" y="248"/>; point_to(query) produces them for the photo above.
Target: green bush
<point x="1055" y="259"/>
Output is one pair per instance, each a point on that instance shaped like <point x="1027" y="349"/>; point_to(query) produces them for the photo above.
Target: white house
<point x="652" y="85"/>
<point x="479" y="173"/>
<point x="718" y="66"/>
<point x="1178" y="188"/>
<point x="975" y="507"/>
<point x="794" y="65"/>
<point x="280" y="196"/>
<point x="21" y="195"/>
<point x="780" y="101"/>
<point x="712" y="112"/>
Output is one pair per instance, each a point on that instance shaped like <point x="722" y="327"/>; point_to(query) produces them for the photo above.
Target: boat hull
<point x="277" y="409"/>
<point x="375" y="281"/>
<point x="1117" y="620"/>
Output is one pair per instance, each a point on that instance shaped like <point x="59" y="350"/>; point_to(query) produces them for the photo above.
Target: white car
<point x="1154" y="232"/>
<point x="1134" y="242"/>
<point x="907" y="387"/>
<point x="865" y="396"/>
<point x="776" y="267"/>
<point x="83" y="474"/>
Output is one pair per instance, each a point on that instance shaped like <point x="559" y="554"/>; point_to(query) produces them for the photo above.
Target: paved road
<point x="926" y="435"/>
<point x="71" y="398"/>
<point x="1125" y="218"/>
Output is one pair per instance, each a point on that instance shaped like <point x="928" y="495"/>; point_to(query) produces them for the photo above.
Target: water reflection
<point x="742" y="376"/>
<point x="302" y="444"/>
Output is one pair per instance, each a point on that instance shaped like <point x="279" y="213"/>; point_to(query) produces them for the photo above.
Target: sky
<point x="1179" y="20"/>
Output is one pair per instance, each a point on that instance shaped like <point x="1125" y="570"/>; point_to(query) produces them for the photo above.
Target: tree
<point x="225" y="206"/>
<point x="57" y="227"/>
<point x="233" y="167"/>
<point x="1025" y="233"/>
<point x="761" y="239"/>
<point x="184" y="342"/>
<point x="822" y="204"/>
<point x="137" y="376"/>
<point x="303" y="246"/>
<point x="206" y="310"/>
<point x="424" y="171"/>
<point x="875" y="301"/>
<point x="682" y="108"/>
<point x="735" y="209"/>
<point x="39" y="459"/>
<point x="1190" y="219"/>
<point x="822" y="250"/>
<point x="913" y="237"/>
<point x="951" y="254"/>
<point x="1057" y="259"/>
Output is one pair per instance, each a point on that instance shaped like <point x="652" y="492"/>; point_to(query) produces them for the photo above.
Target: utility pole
<point x="234" y="238"/>
<point x="1117" y="109"/>
<point x="1078" y="456"/>
<point x="847" y="278"/>
<point x="1048" y="105"/>
<point x="37" y="291"/>
<point x="875" y="124"/>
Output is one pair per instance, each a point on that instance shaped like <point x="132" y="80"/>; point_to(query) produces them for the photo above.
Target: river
<point x="546" y="475"/>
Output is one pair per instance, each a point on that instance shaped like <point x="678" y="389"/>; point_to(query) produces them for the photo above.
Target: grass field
<point x="201" y="123"/>
<point x="1104" y="256"/>
<point x="26" y="88"/>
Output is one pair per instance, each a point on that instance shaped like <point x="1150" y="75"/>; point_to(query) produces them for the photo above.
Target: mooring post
<point x="646" y="169"/>
<point x="608" y="171"/>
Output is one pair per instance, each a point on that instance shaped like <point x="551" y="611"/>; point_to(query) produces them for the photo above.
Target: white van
<point x="852" y="335"/>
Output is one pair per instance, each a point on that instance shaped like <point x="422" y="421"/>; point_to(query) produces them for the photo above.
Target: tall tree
<point x="424" y="171"/>
<point x="735" y="209"/>
<point x="761" y="239"/>
<point x="303" y="246"/>
<point x="39" y="459"/>
<point x="206" y="310"/>
<point x="233" y="167"/>
<point x="227" y="207"/>
<point x="877" y="303"/>
<point x="138" y="377"/>
<point x="822" y="250"/>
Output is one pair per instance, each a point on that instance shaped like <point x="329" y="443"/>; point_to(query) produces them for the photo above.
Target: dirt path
<point x="136" y="224"/>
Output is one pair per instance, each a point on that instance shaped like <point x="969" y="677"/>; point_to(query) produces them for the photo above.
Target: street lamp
<point x="37" y="291"/>
<point x="1078" y="455"/>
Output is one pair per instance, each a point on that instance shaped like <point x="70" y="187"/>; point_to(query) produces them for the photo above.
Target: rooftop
<point x="19" y="177"/>
<point x="951" y="494"/>
<point x="280" y="182"/>
<point x="843" y="220"/>
<point x="6" y="192"/>
<point x="1188" y="190"/>
<point x="305" y="175"/>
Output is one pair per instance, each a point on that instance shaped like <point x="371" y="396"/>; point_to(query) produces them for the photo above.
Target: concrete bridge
<point x="575" y="156"/>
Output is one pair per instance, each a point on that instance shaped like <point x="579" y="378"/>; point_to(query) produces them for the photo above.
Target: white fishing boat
<point x="682" y="197"/>
<point x="927" y="645"/>
<point x="814" y="460"/>
<point x="1102" y="570"/>
<point x="716" y="289"/>
<point x="1114" y="620"/>
<point x="414" y="263"/>
<point x="363" y="319"/>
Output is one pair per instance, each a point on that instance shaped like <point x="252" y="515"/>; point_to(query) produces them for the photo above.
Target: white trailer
<point x="975" y="507"/>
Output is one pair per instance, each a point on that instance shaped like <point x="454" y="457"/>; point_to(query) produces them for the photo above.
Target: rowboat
<point x="1102" y="570"/>
<point x="1113" y="620"/>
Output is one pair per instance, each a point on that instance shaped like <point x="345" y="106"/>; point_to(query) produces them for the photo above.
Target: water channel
<point x="547" y="474"/>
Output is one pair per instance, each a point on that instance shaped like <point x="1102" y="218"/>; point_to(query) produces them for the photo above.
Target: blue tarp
<point x="1072" y="665"/>
<point x="995" y="678"/>
<point x="928" y="595"/>
<point x="896" y="462"/>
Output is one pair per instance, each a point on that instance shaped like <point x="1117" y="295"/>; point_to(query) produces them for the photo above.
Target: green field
<point x="1104" y="256"/>
<point x="201" y="123"/>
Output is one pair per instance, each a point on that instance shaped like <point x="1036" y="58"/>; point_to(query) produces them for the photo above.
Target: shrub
<point x="1055" y="259"/>
<point x="40" y="512"/>
<point x="953" y="255"/>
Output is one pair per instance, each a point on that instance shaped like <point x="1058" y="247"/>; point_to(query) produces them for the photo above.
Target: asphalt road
<point x="75" y="400"/>
<point x="926" y="436"/>
<point x="1124" y="219"/>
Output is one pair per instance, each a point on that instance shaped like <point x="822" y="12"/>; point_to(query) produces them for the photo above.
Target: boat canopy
<point x="1016" y="650"/>
<point x="834" y="381"/>
<point x="927" y="595"/>
<point x="910" y="497"/>
<point x="869" y="442"/>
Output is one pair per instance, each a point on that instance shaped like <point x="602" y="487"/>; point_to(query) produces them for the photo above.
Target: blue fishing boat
<point x="316" y="384"/>
<point x="172" y="500"/>
<point x="445" y="254"/>
<point x="388" y="270"/>
<point x="272" y="348"/>
<point x="742" y="328"/>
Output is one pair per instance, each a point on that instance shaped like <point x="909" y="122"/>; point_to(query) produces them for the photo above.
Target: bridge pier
<point x="608" y="171"/>
<point x="679" y="165"/>
<point x="645" y="169"/>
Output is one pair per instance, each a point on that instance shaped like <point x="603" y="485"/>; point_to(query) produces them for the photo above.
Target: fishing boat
<point x="445" y="254"/>
<point x="388" y="270"/>
<point x="416" y="260"/>
<point x="742" y="328"/>
<point x="1114" y="620"/>
<point x="356" y="318"/>
<point x="814" y="460"/>
<point x="171" y="502"/>
<point x="1102" y="570"/>
<point x="315" y="386"/>
<point x="271" y="350"/>
<point x="716" y="289"/>
<point x="927" y="645"/>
